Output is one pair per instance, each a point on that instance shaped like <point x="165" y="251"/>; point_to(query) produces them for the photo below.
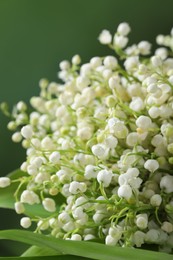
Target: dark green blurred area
<point x="35" y="35"/>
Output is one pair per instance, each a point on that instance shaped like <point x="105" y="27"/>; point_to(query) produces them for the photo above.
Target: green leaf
<point x="37" y="251"/>
<point x="44" y="251"/>
<point x="57" y="257"/>
<point x="80" y="248"/>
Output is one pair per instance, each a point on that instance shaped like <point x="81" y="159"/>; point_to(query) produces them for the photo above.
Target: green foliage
<point x="77" y="248"/>
<point x="36" y="251"/>
<point x="60" y="257"/>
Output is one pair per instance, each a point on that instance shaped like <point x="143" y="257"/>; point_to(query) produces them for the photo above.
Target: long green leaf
<point x="85" y="249"/>
<point x="37" y="251"/>
<point x="44" y="251"/>
<point x="57" y="257"/>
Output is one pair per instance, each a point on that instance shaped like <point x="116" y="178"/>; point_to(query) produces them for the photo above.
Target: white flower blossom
<point x="54" y="157"/>
<point x="166" y="183"/>
<point x="104" y="177"/>
<point x="49" y="204"/>
<point x="156" y="200"/>
<point x="151" y="165"/>
<point x="123" y="28"/>
<point x="27" y="131"/>
<point x="4" y="182"/>
<point x="105" y="37"/>
<point x="99" y="144"/>
<point x="120" y="41"/>
<point x="25" y="222"/>
<point x="125" y="191"/>
<point x="29" y="197"/>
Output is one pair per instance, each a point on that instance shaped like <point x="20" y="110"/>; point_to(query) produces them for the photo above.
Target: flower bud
<point x="27" y="132"/>
<point x="19" y="207"/>
<point x="105" y="37"/>
<point x="4" y="182"/>
<point x="49" y="204"/>
<point x="25" y="222"/>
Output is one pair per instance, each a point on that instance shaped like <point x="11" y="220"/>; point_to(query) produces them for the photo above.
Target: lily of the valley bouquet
<point x="99" y="156"/>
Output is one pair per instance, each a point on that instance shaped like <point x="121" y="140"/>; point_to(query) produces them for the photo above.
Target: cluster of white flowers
<point x="100" y="147"/>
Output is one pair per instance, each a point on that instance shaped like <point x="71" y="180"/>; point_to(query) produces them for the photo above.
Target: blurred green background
<point x="35" y="35"/>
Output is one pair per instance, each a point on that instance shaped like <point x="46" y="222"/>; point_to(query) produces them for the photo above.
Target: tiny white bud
<point x="139" y="238"/>
<point x="32" y="170"/>
<point x="113" y="82"/>
<point x="16" y="137"/>
<point x="154" y="112"/>
<point x="167" y="226"/>
<point x="151" y="165"/>
<point x="4" y="182"/>
<point x="110" y="62"/>
<point x="90" y="172"/>
<point x="85" y="133"/>
<point x="24" y="166"/>
<point x="104" y="176"/>
<point x="144" y="47"/>
<point x="27" y="132"/>
<point x="105" y="37"/>
<point x="166" y="183"/>
<point x="19" y="207"/>
<point x="111" y="141"/>
<point x="96" y="62"/>
<point x="125" y="191"/>
<point x="42" y="225"/>
<point x="41" y="177"/>
<point x="64" y="65"/>
<point x="98" y="216"/>
<point x="137" y="104"/>
<point x="37" y="162"/>
<point x="156" y="200"/>
<point x="89" y="237"/>
<point x="49" y="204"/>
<point x="99" y="150"/>
<point x="76" y="237"/>
<point x="21" y="106"/>
<point x="76" y="60"/>
<point x="165" y="88"/>
<point x="47" y="143"/>
<point x="132" y="139"/>
<point x="54" y="157"/>
<point x="69" y="226"/>
<point x="43" y="83"/>
<point x="152" y="236"/>
<point x="64" y="218"/>
<point x="77" y="187"/>
<point x="131" y="63"/>
<point x="25" y="222"/>
<point x="142" y="221"/>
<point x="29" y="197"/>
<point x="156" y="61"/>
<point x="160" y="39"/>
<point x="111" y="241"/>
<point x="123" y="29"/>
<point x="11" y="125"/>
<point x="157" y="140"/>
<point x="143" y="122"/>
<point x="162" y="53"/>
<point x="120" y="41"/>
<point x="85" y="69"/>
